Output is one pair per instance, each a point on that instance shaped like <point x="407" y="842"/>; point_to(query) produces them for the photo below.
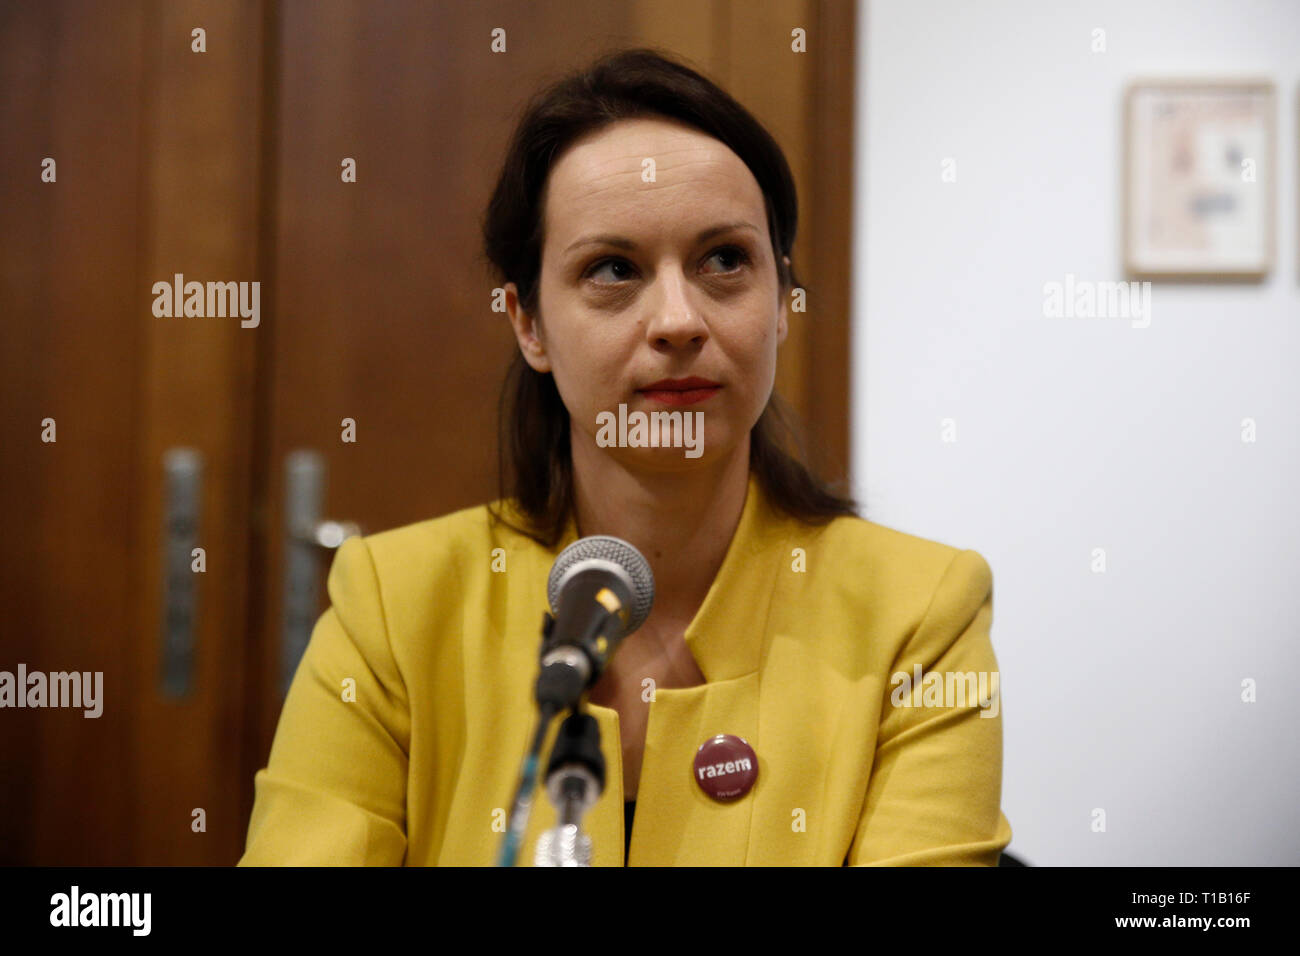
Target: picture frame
<point x="1200" y="179"/>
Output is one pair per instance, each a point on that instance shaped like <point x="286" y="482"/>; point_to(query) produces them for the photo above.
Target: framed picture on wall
<point x="1200" y="179"/>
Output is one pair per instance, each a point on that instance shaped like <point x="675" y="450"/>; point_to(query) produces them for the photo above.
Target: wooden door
<point x="153" y="170"/>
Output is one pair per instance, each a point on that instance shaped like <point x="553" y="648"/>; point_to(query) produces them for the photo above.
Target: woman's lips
<point x="683" y="396"/>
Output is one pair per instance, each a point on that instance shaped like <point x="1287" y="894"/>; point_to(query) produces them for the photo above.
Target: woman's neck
<point x="682" y="522"/>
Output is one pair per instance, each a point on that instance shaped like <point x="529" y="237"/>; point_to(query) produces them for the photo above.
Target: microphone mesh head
<point x="608" y="548"/>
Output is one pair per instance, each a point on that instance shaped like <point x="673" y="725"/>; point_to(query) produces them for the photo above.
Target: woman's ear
<point x="782" y="319"/>
<point x="528" y="331"/>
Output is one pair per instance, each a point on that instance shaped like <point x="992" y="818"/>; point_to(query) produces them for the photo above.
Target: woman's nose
<point x="674" y="319"/>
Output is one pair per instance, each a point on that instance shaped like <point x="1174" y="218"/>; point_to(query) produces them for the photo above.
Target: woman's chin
<point x="670" y="460"/>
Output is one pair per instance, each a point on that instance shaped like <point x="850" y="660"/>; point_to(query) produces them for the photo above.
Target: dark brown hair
<point x="535" y="468"/>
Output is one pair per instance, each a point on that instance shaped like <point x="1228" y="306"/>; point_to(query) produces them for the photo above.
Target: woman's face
<point x="632" y="290"/>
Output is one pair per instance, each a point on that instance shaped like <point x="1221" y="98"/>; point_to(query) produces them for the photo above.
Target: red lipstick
<point x="681" y="391"/>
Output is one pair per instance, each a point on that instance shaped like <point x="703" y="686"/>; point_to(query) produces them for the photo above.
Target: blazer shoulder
<point x="900" y="596"/>
<point x="425" y="557"/>
<point x="869" y="540"/>
<point x="417" y="579"/>
<point x="870" y="559"/>
<point x="450" y="535"/>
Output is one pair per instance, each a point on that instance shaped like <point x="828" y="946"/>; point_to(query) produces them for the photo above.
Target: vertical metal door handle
<point x="307" y="539"/>
<point x="182" y="490"/>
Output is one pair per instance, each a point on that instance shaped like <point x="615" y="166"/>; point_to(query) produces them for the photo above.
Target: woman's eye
<point x="610" y="263"/>
<point x="734" y="253"/>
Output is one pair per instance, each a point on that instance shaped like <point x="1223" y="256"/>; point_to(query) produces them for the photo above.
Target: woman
<point x="643" y="224"/>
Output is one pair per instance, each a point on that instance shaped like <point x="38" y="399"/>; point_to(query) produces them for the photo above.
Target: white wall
<point x="1121" y="690"/>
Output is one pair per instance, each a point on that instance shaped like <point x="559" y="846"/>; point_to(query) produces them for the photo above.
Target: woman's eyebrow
<point x="620" y="242"/>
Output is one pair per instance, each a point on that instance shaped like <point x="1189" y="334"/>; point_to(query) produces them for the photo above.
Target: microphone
<point x="601" y="590"/>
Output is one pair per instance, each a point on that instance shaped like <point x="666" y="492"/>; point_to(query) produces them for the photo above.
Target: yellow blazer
<point x="802" y="639"/>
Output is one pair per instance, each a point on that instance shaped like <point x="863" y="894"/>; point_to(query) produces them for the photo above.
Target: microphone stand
<point x="575" y="779"/>
<point x="575" y="774"/>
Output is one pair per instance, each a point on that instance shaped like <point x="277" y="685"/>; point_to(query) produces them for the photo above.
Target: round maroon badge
<point x="725" y="767"/>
